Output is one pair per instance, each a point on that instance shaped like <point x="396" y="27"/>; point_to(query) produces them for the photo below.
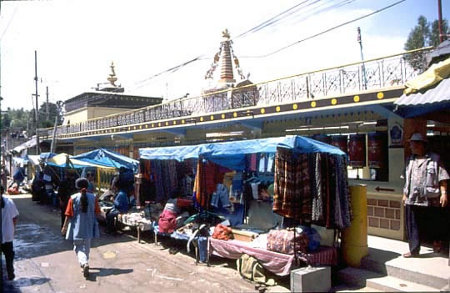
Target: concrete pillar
<point x="354" y="238"/>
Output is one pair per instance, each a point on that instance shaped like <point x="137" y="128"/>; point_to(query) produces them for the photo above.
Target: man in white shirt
<point x="9" y="220"/>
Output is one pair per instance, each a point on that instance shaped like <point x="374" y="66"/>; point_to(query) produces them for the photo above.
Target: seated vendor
<point x="172" y="217"/>
<point x="121" y="206"/>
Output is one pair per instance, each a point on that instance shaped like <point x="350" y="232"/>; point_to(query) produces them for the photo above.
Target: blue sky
<point x="77" y="40"/>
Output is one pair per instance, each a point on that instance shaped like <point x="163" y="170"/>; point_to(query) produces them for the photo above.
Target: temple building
<point x="107" y="99"/>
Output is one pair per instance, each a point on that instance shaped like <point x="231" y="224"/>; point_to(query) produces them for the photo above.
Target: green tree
<point x="434" y="34"/>
<point x="45" y="120"/>
<point x="424" y="34"/>
<point x="418" y="38"/>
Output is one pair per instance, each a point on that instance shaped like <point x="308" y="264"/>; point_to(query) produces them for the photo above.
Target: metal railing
<point x="369" y="75"/>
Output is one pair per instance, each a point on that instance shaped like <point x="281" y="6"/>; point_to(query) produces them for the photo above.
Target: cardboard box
<point x="245" y="236"/>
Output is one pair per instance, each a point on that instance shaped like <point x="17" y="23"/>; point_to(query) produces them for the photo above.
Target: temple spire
<point x="226" y="58"/>
<point x="112" y="76"/>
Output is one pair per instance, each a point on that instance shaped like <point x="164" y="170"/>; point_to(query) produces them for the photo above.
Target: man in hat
<point x="424" y="197"/>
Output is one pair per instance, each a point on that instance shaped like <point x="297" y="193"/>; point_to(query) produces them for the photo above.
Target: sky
<point x="76" y="41"/>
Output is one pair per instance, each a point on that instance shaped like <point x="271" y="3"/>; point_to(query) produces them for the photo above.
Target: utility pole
<point x="47" y="114"/>
<point x="441" y="34"/>
<point x="363" y="67"/>
<point x="37" y="102"/>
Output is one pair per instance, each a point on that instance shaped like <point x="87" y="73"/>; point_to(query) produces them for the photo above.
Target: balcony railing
<point x="372" y="74"/>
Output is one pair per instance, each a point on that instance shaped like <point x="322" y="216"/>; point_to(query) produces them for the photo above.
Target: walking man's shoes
<point x="11" y="276"/>
<point x="86" y="270"/>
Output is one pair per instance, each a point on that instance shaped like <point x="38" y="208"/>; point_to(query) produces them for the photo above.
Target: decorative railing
<point x="370" y="75"/>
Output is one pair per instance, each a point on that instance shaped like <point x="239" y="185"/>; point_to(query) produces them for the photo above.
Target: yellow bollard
<point x="354" y="238"/>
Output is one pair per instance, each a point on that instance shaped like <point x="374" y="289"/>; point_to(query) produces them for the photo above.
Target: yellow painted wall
<point x="83" y="114"/>
<point x="77" y="116"/>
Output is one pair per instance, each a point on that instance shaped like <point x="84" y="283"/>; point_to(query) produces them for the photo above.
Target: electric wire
<point x="268" y="23"/>
<point x="325" y="31"/>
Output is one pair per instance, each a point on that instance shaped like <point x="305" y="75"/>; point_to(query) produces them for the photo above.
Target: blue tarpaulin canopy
<point x="178" y="153"/>
<point x="231" y="154"/>
<point x="107" y="158"/>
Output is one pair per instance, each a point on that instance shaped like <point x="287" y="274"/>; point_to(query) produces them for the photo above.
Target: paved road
<point x="46" y="263"/>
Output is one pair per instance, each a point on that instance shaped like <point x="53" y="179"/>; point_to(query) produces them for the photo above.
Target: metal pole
<point x="47" y="112"/>
<point x="441" y="34"/>
<point x="37" y="102"/>
<point x="363" y="67"/>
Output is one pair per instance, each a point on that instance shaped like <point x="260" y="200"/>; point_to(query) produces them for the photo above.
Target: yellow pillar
<point x="354" y="238"/>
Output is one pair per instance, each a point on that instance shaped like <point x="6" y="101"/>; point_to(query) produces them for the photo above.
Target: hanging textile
<point x="200" y="197"/>
<point x="316" y="191"/>
<point x="312" y="188"/>
<point x="286" y="200"/>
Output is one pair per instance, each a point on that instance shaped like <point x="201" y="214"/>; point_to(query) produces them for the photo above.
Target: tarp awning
<point x="107" y="158"/>
<point x="430" y="77"/>
<point x="26" y="145"/>
<point x="428" y="92"/>
<point x="178" y="153"/>
<point x="65" y="161"/>
<point x="33" y="159"/>
<point x="232" y="154"/>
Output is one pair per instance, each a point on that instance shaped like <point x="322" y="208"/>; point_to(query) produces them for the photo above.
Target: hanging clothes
<point x="312" y="188"/>
<point x="286" y="200"/>
<point x="201" y="197"/>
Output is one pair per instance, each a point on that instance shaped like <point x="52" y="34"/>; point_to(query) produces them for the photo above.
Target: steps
<point x="387" y="270"/>
<point x="392" y="284"/>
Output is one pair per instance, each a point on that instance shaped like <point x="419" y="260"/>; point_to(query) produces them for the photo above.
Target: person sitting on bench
<point x="121" y="206"/>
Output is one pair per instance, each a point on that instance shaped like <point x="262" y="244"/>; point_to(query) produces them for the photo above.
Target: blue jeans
<point x="82" y="249"/>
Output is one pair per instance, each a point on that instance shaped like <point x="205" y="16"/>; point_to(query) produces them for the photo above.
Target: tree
<point x="53" y="112"/>
<point x="434" y="36"/>
<point x="422" y="35"/>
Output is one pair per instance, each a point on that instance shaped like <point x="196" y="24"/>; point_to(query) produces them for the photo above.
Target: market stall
<point x="110" y="165"/>
<point x="294" y="165"/>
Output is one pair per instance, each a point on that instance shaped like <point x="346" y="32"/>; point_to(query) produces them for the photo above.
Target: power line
<point x="268" y="23"/>
<point x="271" y="20"/>
<point x="326" y="31"/>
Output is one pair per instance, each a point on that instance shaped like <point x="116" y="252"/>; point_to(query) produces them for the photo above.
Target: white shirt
<point x="8" y="213"/>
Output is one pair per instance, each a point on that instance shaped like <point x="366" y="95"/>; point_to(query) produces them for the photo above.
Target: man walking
<point x="425" y="196"/>
<point x="9" y="220"/>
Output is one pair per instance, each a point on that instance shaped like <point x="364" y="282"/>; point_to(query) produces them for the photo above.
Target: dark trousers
<point x="110" y="218"/>
<point x="8" y="251"/>
<point x="426" y="223"/>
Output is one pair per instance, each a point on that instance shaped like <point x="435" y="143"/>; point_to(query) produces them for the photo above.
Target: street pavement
<point x="45" y="262"/>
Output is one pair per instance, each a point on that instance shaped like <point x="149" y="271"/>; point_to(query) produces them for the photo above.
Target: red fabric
<point x="13" y="190"/>
<point x="167" y="222"/>
<point x="222" y="232"/>
<point x="283" y="241"/>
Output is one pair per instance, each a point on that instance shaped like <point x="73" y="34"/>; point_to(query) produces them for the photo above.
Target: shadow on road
<point x="103" y="272"/>
<point x="38" y="230"/>
<point x="27" y="282"/>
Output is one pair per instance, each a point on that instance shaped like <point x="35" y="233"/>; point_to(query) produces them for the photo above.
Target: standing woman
<point x="81" y="224"/>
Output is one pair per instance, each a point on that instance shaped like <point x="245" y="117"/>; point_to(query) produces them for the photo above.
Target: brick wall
<point x="384" y="214"/>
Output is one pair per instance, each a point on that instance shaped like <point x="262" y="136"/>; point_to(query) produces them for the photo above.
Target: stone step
<point x="348" y="288"/>
<point x="385" y="257"/>
<point x="354" y="277"/>
<point x="392" y="284"/>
